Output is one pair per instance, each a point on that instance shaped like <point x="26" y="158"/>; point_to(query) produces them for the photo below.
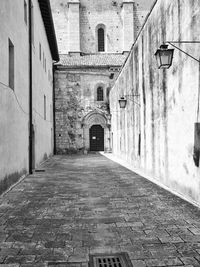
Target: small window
<point x="40" y="51"/>
<point x="11" y="64"/>
<point x="45" y="106"/>
<point x="25" y="12"/>
<point x="99" y="94"/>
<point x="101" y="45"/>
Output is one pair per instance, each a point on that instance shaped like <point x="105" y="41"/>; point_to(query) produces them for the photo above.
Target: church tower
<point x="94" y="38"/>
<point x="128" y="24"/>
<point x="74" y="26"/>
<point x="91" y="26"/>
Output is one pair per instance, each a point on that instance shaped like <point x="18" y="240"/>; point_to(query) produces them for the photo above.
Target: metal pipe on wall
<point x="30" y="92"/>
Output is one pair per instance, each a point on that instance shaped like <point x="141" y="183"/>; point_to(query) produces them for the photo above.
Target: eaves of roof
<point x="49" y="27"/>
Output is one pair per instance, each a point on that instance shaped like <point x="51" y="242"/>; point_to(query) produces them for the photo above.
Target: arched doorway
<point x="96" y="138"/>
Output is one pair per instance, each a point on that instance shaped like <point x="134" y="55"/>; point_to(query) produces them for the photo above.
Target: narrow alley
<point x="76" y="206"/>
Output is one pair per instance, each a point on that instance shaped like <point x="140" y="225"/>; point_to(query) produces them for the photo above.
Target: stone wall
<point x="101" y="12"/>
<point x="75" y="98"/>
<point x="93" y="13"/>
<point x="155" y="133"/>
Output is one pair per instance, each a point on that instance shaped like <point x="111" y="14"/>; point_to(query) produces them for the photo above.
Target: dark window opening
<point x="101" y="45"/>
<point x="99" y="94"/>
<point x="11" y="64"/>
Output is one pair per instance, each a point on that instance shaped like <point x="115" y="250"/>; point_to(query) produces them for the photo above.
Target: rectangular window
<point x="101" y="41"/>
<point x="99" y="94"/>
<point x="32" y="23"/>
<point x="25" y="12"/>
<point x="45" y="111"/>
<point x="11" y="64"/>
<point x="40" y="51"/>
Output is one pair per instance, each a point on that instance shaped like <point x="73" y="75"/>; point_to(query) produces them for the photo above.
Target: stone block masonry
<point x="75" y="97"/>
<point x="68" y="113"/>
<point x="91" y="14"/>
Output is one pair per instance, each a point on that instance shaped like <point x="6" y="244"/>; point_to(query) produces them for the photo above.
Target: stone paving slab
<point x="84" y="205"/>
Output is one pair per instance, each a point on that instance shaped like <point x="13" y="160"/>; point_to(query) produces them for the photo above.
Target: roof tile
<point x="92" y="60"/>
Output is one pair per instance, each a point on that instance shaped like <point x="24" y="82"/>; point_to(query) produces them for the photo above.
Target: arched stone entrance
<point x="93" y="122"/>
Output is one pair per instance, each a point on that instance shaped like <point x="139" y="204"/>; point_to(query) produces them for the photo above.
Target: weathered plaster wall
<point x="13" y="115"/>
<point x="42" y="86"/>
<point x="75" y="97"/>
<point x="14" y="104"/>
<point x="95" y="12"/>
<point x="157" y="136"/>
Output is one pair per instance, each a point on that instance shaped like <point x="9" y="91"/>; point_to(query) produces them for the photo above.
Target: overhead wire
<point x="20" y="106"/>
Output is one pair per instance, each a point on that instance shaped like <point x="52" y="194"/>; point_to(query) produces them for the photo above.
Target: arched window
<point x="99" y="94"/>
<point x="101" y="41"/>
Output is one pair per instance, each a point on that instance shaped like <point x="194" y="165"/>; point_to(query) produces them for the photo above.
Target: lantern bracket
<point x="124" y="99"/>
<point x="172" y="43"/>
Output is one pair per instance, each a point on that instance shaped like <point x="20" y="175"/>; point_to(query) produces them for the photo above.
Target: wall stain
<point x="151" y="88"/>
<point x="144" y="99"/>
<point x="164" y="97"/>
<point x="180" y="67"/>
<point x="10" y="179"/>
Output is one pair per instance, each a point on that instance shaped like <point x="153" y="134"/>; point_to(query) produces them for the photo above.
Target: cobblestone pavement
<point x="83" y="205"/>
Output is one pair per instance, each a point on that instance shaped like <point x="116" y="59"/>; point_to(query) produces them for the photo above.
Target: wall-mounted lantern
<point x="122" y="102"/>
<point x="164" y="57"/>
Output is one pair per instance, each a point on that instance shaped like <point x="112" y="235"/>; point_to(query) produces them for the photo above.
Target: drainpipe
<point x="30" y="91"/>
<point x="54" y="112"/>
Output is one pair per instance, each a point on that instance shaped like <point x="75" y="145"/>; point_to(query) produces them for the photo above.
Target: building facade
<point x="158" y="131"/>
<point x="82" y="86"/>
<point x="94" y="39"/>
<point x="27" y="48"/>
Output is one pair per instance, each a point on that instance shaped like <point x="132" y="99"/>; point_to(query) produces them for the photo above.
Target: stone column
<point x="74" y="26"/>
<point x="128" y="24"/>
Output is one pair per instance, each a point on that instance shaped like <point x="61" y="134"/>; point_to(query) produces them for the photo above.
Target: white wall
<point x="14" y="104"/>
<point x="168" y="100"/>
<point x="42" y="85"/>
